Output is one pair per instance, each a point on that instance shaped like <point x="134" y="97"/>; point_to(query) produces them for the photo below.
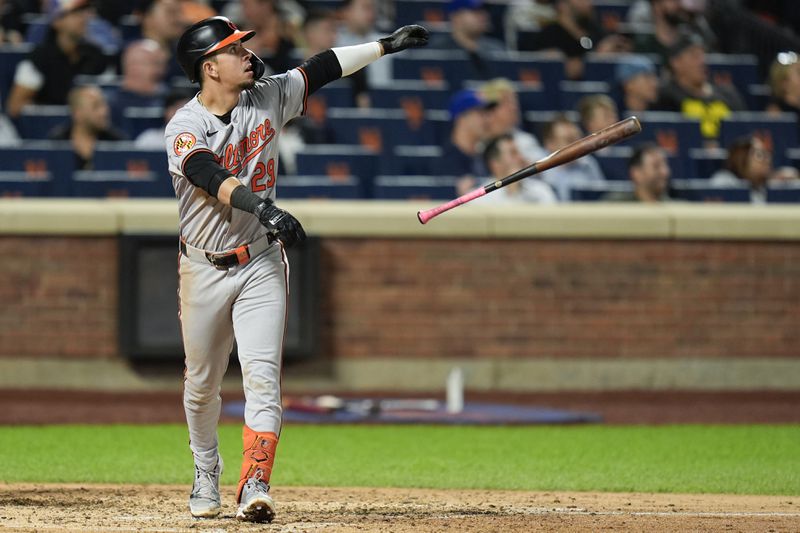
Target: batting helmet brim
<point x="232" y="38"/>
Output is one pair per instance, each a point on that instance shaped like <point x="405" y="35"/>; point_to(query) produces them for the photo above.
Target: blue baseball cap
<point x="457" y="5"/>
<point x="633" y="66"/>
<point x="465" y="100"/>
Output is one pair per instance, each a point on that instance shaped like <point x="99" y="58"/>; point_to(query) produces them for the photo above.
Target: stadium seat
<point x="137" y="119"/>
<point x="416" y="11"/>
<point x="702" y="191"/>
<point x="303" y="187"/>
<point x="572" y="91"/>
<point x="378" y="129"/>
<point x="789" y="194"/>
<point x="121" y="169"/>
<point x="592" y="192"/>
<point x="336" y="94"/>
<point x="39" y="121"/>
<point x="602" y="67"/>
<point x="611" y="13"/>
<point x="10" y="56"/>
<point x="338" y="161"/>
<point x="36" y="168"/>
<point x="411" y="160"/>
<point x="739" y="70"/>
<point x="415" y="187"/>
<point x="703" y="162"/>
<point x="392" y="97"/>
<point x="779" y="132"/>
<point x="672" y="131"/>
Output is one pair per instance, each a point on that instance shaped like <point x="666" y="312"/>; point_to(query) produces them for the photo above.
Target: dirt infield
<point x="164" y="508"/>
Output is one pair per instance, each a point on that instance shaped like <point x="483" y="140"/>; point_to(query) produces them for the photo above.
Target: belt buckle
<point x="214" y="258"/>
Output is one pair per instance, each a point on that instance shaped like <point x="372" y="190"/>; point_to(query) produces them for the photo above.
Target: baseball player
<point x="223" y="159"/>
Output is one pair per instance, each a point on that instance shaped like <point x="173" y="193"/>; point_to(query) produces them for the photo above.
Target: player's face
<point x="234" y="67"/>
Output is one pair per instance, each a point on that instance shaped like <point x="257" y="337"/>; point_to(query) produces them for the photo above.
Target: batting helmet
<point x="205" y="37"/>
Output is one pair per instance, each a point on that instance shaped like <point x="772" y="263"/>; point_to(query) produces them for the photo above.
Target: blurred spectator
<point x="196" y="10"/>
<point x="638" y="79"/>
<point x="461" y="152"/>
<point x="89" y="124"/>
<point x="669" y="18"/>
<point x="557" y="134"/>
<point x="153" y="138"/>
<point x="162" y="21"/>
<point x="48" y="72"/>
<point x="597" y="111"/>
<point x="469" y="22"/>
<point x="271" y="42"/>
<point x="12" y="26"/>
<point x="505" y="117"/>
<point x="502" y="157"/>
<point x="574" y="32"/>
<point x="358" y="26"/>
<point x="319" y="32"/>
<point x="526" y="16"/>
<point x="650" y="173"/>
<point x="691" y="92"/>
<point x="749" y="164"/>
<point x="144" y="65"/>
<point x="784" y="83"/>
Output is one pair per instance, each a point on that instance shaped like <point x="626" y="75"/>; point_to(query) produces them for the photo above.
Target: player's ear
<point x="208" y="68"/>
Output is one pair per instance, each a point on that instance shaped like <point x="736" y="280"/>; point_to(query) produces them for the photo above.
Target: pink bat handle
<point x="428" y="214"/>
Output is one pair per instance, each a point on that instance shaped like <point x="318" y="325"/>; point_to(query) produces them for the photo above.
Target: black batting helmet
<point x="205" y="37"/>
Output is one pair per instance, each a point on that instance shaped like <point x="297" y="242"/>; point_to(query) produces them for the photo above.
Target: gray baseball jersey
<point x="247" y="147"/>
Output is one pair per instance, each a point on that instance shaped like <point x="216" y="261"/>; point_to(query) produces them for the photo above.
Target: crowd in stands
<point x="503" y="83"/>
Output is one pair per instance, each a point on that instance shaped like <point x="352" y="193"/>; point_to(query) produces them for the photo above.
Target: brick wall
<point x="59" y="297"/>
<point x="526" y="298"/>
<point x="479" y="298"/>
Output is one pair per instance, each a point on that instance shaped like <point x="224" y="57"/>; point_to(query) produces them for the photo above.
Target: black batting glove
<point x="280" y="223"/>
<point x="412" y="36"/>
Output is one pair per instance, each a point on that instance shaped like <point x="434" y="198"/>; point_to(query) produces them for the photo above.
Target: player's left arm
<point x="337" y="62"/>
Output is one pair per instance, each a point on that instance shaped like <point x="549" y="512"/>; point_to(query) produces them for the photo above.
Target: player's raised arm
<point x="337" y="62"/>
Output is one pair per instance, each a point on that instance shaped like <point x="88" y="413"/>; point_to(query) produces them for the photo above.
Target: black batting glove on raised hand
<point x="412" y="36"/>
<point x="280" y="222"/>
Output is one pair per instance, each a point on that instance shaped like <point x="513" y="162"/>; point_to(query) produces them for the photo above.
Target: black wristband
<point x="245" y="200"/>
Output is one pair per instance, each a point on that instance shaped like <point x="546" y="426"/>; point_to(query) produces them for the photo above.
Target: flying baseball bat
<point x="591" y="143"/>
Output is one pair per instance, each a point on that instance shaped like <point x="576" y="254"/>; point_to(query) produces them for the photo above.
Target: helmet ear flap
<point x="259" y="68"/>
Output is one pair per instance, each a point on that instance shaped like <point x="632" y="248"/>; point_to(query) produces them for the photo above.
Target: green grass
<point x="693" y="459"/>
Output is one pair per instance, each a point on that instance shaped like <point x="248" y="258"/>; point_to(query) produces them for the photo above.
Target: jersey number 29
<point x="261" y="174"/>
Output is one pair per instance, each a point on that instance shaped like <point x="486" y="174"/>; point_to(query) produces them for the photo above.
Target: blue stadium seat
<point x="779" y="132"/>
<point x="740" y="70"/>
<point x="592" y="192"/>
<point x="789" y="194"/>
<point x="36" y="168"/>
<point x="38" y="121"/>
<point x="792" y="157"/>
<point x="672" y="131"/>
<point x="611" y="13"/>
<point x="602" y="67"/>
<point x="378" y="129"/>
<point x="415" y="187"/>
<point x="121" y="169"/>
<point x="411" y="161"/>
<point x="137" y="119"/>
<point x="572" y="91"/>
<point x="392" y="97"/>
<point x="416" y="11"/>
<point x="703" y="162"/>
<point x="336" y="94"/>
<point x="303" y="187"/>
<point x="10" y="56"/>
<point x="702" y="191"/>
<point x="339" y="161"/>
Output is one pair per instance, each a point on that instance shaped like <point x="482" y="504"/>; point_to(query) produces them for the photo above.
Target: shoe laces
<point x="254" y="484"/>
<point x="205" y="483"/>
